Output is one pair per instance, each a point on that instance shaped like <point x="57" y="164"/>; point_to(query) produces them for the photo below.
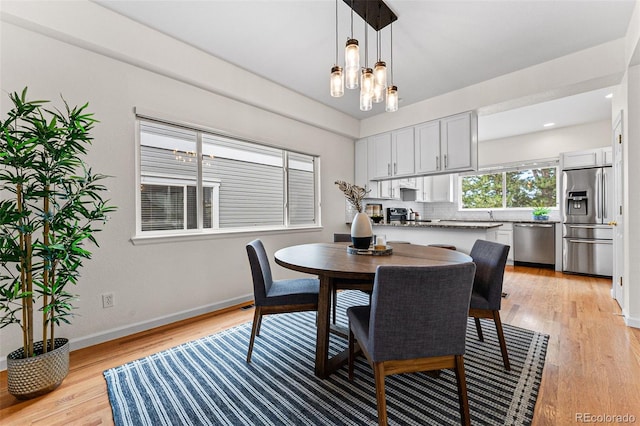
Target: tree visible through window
<point x="531" y="188"/>
<point x="482" y="191"/>
<point x="535" y="187"/>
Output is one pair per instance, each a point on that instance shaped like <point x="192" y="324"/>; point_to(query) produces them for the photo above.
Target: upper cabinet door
<point x="380" y="156"/>
<point x="403" y="152"/>
<point x="578" y="159"/>
<point x="427" y="147"/>
<point x="457" y="132"/>
<point x="596" y="157"/>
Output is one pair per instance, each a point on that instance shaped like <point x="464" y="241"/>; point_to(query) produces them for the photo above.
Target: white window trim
<point x="152" y="237"/>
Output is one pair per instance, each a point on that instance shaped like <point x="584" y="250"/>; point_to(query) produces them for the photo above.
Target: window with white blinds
<point x="240" y="184"/>
<point x="300" y="178"/>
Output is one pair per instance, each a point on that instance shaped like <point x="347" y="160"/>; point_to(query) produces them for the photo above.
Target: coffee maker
<point x="395" y="214"/>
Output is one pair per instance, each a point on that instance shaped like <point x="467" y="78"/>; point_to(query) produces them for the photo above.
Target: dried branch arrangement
<point x="353" y="193"/>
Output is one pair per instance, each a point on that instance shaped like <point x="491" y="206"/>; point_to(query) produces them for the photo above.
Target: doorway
<point x="617" y="289"/>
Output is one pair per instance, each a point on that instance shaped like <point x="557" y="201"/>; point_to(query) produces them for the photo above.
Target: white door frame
<point x="617" y="289"/>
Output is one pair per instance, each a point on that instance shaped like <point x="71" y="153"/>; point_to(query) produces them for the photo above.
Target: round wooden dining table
<point x="338" y="269"/>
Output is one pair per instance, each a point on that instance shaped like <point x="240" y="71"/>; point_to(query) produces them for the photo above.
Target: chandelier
<point x="373" y="82"/>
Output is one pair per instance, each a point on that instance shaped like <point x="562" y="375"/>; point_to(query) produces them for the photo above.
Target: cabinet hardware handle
<point x="395" y="168"/>
<point x="437" y="162"/>
<point x="445" y="161"/>
<point x="388" y="169"/>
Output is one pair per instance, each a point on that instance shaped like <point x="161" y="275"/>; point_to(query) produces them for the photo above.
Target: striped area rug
<point x="208" y="382"/>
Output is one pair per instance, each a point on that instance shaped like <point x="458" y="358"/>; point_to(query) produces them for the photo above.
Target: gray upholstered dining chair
<point x="490" y="259"/>
<point x="417" y="321"/>
<point x="341" y="238"/>
<point x="276" y="297"/>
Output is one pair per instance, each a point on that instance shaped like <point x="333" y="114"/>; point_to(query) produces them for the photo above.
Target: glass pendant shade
<point x="351" y="56"/>
<point x="337" y="82"/>
<point x="380" y="74"/>
<point x="366" y="101"/>
<point x="351" y="78"/>
<point x="367" y="82"/>
<point x="392" y="99"/>
<point x="378" y="93"/>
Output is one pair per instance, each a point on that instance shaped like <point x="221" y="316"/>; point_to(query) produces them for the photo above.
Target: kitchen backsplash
<point x="450" y="211"/>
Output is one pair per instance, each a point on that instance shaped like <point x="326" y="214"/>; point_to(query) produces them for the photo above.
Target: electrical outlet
<point x="107" y="300"/>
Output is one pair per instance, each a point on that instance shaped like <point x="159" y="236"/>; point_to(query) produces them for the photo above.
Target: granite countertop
<point x="504" y="220"/>
<point x="442" y="224"/>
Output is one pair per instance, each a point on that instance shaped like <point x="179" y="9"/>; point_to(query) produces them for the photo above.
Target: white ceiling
<point x="439" y="45"/>
<point x="569" y="111"/>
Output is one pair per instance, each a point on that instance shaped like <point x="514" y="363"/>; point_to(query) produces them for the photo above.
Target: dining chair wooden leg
<point x="503" y="343"/>
<point x="465" y="417"/>
<point x="479" y="329"/>
<point x="255" y="330"/>
<point x="259" y="311"/>
<point x="334" y="302"/>
<point x="378" y="371"/>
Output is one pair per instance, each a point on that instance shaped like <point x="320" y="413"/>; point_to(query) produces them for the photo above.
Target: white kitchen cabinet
<point x="402" y="152"/>
<point x="447" y="145"/>
<point x="459" y="142"/>
<point x="441" y="188"/>
<point x="379" y="156"/>
<point x="389" y="189"/>
<point x="427" y="147"/>
<point x="436" y="147"/>
<point x="384" y="190"/>
<point x="391" y="154"/>
<point x="505" y="236"/>
<point x="589" y="158"/>
<point x="437" y="189"/>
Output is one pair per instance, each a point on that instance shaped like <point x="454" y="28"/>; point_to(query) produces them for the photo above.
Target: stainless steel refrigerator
<point x="587" y="244"/>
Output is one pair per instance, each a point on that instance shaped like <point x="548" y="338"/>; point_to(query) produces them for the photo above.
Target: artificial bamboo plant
<point x="50" y="206"/>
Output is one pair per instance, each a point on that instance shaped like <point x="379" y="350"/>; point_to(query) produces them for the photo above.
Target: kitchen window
<point x="521" y="187"/>
<point x="195" y="181"/>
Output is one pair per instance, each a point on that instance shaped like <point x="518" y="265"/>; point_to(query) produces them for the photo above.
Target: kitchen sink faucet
<point x="490" y="214"/>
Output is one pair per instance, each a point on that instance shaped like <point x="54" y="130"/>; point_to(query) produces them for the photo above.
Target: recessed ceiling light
<point x="609" y="96"/>
<point x="549" y="124"/>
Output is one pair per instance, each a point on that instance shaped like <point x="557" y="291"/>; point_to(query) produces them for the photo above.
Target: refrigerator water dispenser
<point x="577" y="203"/>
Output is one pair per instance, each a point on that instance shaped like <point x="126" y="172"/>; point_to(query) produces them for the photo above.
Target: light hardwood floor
<point x="592" y="365"/>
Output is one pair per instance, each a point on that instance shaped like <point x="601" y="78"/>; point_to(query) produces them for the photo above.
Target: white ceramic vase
<point x="361" y="231"/>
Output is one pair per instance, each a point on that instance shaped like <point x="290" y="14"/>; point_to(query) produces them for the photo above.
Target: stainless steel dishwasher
<point x="534" y="244"/>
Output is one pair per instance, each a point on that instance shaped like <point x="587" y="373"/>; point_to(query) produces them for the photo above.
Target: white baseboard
<point x="116" y="333"/>
<point x="632" y="321"/>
